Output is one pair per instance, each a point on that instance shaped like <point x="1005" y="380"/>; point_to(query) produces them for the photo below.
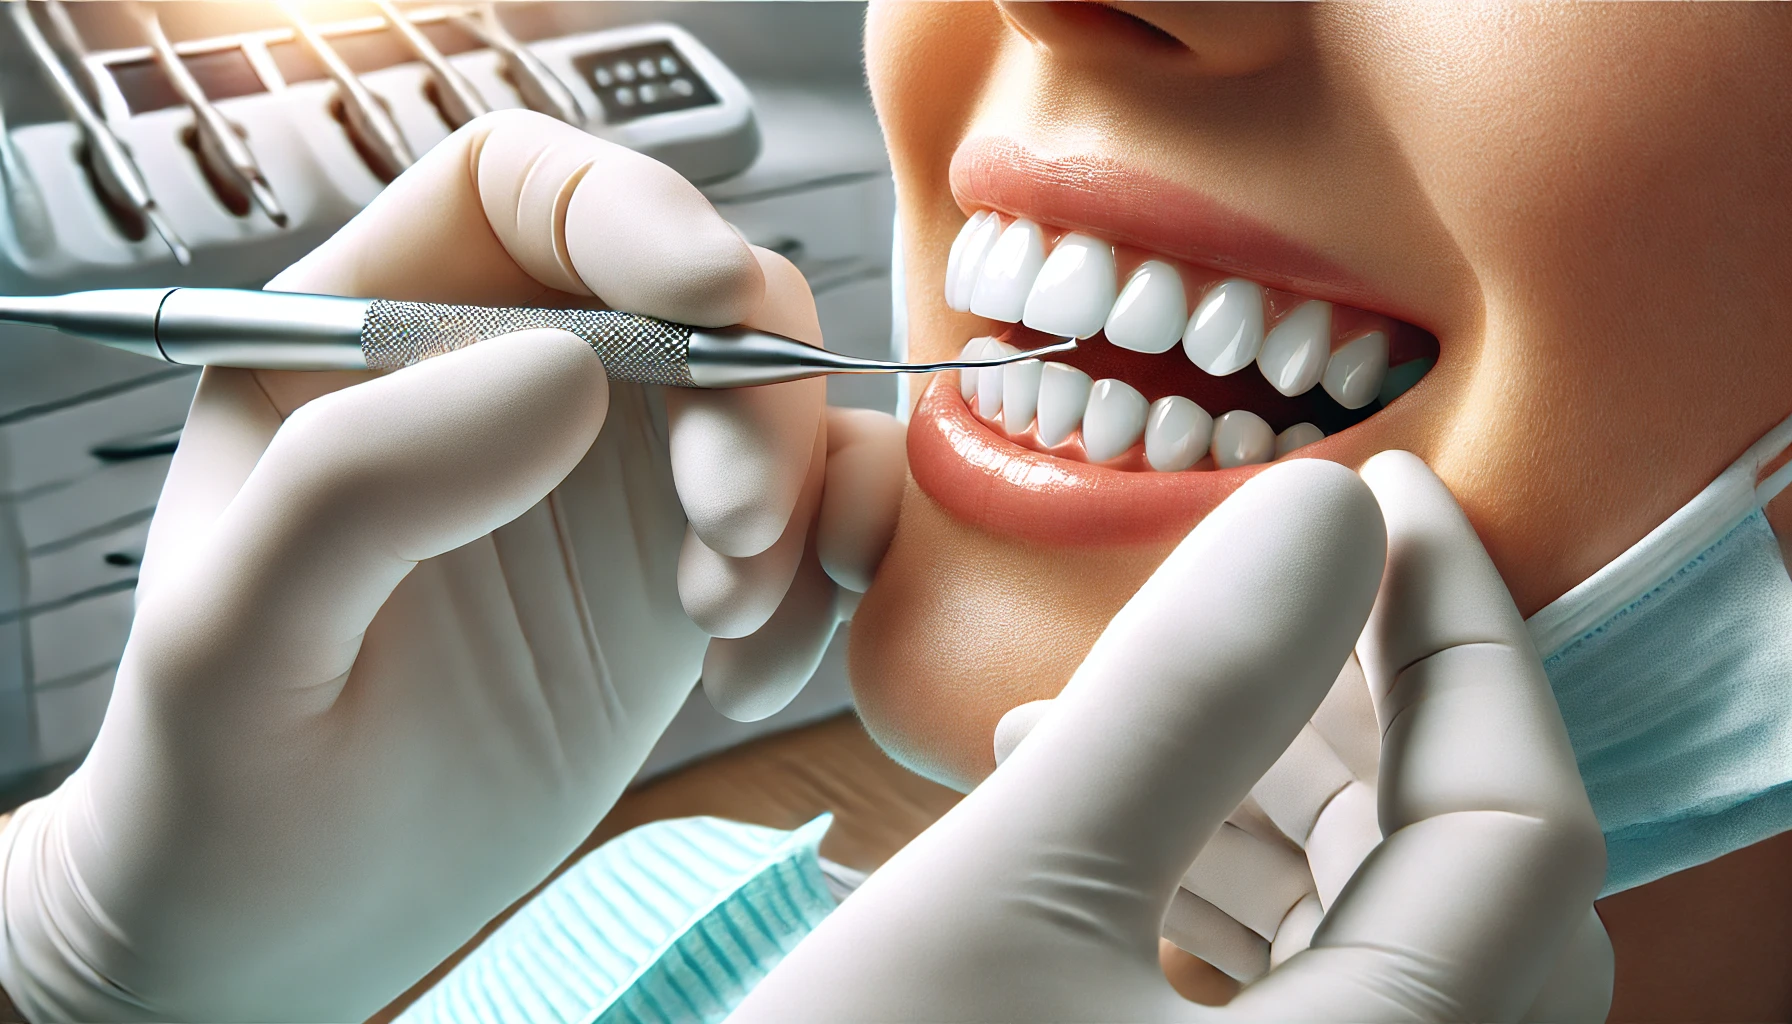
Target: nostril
<point x="1139" y="25"/>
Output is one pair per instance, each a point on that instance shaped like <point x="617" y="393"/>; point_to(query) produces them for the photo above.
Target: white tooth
<point x="970" y="262"/>
<point x="1356" y="371"/>
<point x="1151" y="311"/>
<point x="967" y="379"/>
<point x="1402" y="377"/>
<point x="1225" y="332"/>
<point x="989" y="379"/>
<point x="1241" y="438"/>
<point x="1177" y="433"/>
<point x="1294" y="352"/>
<point x="1074" y="289"/>
<point x="1113" y="420"/>
<point x="956" y="258"/>
<point x="1298" y="436"/>
<point x="1063" y="397"/>
<point x="1008" y="272"/>
<point x="1020" y="393"/>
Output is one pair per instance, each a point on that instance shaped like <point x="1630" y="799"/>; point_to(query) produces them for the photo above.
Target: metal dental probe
<point x="219" y="144"/>
<point x="113" y="169"/>
<point x="541" y="89"/>
<point x="291" y="331"/>
<point x="367" y="119"/>
<point x="460" y="101"/>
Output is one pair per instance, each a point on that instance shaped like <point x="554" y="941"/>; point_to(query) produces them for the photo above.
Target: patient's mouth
<point x="1183" y="368"/>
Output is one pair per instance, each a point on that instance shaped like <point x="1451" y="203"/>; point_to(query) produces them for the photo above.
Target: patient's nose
<point x="1223" y="39"/>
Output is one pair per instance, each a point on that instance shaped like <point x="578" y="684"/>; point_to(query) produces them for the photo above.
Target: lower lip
<point x="988" y="481"/>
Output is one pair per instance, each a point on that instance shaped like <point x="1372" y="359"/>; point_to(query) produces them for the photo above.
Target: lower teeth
<point x="1045" y="405"/>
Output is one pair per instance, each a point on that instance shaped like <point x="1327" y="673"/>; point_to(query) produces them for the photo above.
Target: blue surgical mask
<point x="1673" y="669"/>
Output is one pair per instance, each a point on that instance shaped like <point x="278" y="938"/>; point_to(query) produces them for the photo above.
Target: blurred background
<point x="118" y="171"/>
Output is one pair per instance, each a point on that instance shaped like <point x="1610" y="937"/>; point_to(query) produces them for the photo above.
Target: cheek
<point x="959" y="627"/>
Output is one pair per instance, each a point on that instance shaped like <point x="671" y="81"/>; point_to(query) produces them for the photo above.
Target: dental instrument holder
<point x="294" y="331"/>
<point x="266" y="82"/>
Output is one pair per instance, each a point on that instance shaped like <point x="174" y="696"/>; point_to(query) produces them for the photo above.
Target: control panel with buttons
<point x="643" y="80"/>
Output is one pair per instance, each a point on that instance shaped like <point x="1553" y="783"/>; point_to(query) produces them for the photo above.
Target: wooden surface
<point x="781" y="781"/>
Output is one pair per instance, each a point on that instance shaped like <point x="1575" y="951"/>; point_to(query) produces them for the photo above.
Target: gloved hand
<point x="402" y="640"/>
<point x="1041" y="895"/>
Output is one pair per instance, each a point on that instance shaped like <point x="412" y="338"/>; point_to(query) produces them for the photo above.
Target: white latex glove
<point x="1041" y="895"/>
<point x="402" y="640"/>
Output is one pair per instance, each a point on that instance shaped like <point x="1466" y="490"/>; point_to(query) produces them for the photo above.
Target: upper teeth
<point x="1001" y="269"/>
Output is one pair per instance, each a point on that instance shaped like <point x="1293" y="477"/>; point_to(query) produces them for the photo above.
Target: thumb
<point x="1040" y="895"/>
<point x="354" y="489"/>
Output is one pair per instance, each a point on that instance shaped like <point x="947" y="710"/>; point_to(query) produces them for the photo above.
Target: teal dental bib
<point x="672" y="922"/>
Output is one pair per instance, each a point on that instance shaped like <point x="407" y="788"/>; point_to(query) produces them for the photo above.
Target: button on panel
<point x="640" y="81"/>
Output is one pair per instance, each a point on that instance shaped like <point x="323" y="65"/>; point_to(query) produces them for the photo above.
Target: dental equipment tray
<point x="651" y="87"/>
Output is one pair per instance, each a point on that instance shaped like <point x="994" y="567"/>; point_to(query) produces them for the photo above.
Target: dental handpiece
<point x="460" y="102"/>
<point x="114" y="171"/>
<point x="293" y="331"/>
<point x="220" y="146"/>
<point x="540" y="88"/>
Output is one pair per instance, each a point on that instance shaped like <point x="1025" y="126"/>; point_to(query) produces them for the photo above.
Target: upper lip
<point x="1125" y="206"/>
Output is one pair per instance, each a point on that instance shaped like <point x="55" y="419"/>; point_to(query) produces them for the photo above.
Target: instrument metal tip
<point x="158" y="220"/>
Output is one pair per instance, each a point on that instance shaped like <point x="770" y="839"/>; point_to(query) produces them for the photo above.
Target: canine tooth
<point x="1074" y="289"/>
<point x="1295" y="350"/>
<point x="1354" y="375"/>
<point x="1241" y="438"/>
<point x="1298" y="436"/>
<point x="1020" y="393"/>
<point x="1225" y="333"/>
<point x="1008" y="272"/>
<point x="1151" y="311"/>
<point x="1114" y="419"/>
<point x="967" y="379"/>
<point x="955" y="259"/>
<point x="1402" y="377"/>
<point x="970" y="262"/>
<point x="989" y="379"/>
<point x="1063" y="397"/>
<point x="1177" y="434"/>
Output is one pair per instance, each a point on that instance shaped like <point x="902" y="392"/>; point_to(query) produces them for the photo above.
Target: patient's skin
<point x="1587" y="205"/>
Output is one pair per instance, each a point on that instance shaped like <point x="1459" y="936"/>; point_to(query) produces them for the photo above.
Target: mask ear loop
<point x="1763" y="452"/>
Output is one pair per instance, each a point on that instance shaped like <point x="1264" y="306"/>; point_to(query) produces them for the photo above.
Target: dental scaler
<point x="292" y="331"/>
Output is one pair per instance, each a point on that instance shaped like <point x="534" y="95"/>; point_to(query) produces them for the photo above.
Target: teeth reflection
<point x="1063" y="396"/>
<point x="955" y="259"/>
<point x="1150" y="313"/>
<point x="1113" y="421"/>
<point x="1074" y="289"/>
<point x="1295" y="350"/>
<point x="1241" y="438"/>
<point x="1020" y="394"/>
<point x="967" y="379"/>
<point x="1177" y="434"/>
<point x="1354" y="375"/>
<point x="1009" y="271"/>
<point x="1225" y="333"/>
<point x="970" y="265"/>
<point x="1298" y="436"/>
<point x="989" y="379"/>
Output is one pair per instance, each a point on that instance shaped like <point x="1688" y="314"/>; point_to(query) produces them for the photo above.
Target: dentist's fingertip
<point x="1016" y="725"/>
